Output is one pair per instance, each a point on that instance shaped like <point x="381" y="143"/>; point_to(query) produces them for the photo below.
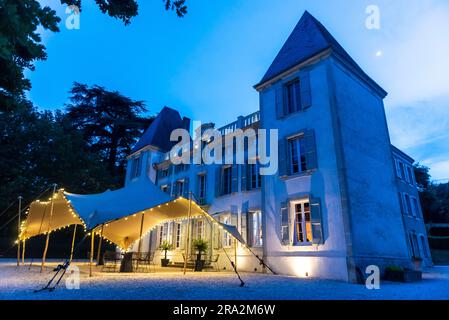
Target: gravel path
<point x="19" y="283"/>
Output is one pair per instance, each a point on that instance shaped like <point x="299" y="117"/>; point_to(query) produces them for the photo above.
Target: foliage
<point x="166" y="246"/>
<point x="200" y="245"/>
<point x="109" y="122"/>
<point x="20" y="46"/>
<point x="434" y="197"/>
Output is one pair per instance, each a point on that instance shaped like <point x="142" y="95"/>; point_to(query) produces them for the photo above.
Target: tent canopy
<point x="119" y="216"/>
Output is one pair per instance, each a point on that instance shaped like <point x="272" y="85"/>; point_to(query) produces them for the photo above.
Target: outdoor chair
<point x="144" y="260"/>
<point x="213" y="262"/>
<point x="111" y="259"/>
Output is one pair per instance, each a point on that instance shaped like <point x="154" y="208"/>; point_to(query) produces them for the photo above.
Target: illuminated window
<point x="200" y="229"/>
<point x="227" y="239"/>
<point x="178" y="235"/>
<point x="303" y="223"/>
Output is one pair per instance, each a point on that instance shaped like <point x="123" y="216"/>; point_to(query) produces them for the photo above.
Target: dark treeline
<point x="81" y="148"/>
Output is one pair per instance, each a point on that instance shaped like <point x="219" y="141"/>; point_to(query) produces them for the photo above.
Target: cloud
<point x="417" y="67"/>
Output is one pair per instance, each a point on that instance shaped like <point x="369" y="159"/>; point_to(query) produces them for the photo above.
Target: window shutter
<point x="285" y="224"/>
<point x="244" y="225"/>
<point x="245" y="168"/>
<point x="317" y="221"/>
<point x="171" y="186"/>
<point x="310" y="149"/>
<point x="186" y="188"/>
<point x="305" y="91"/>
<point x="218" y="183"/>
<point x="235" y="178"/>
<point x="283" y="156"/>
<point x="279" y="92"/>
<point x="181" y="240"/>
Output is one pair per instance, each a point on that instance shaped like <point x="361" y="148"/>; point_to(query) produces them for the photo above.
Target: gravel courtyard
<point x="19" y="283"/>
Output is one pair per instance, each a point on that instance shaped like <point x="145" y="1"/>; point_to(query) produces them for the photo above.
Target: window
<point x="181" y="167"/>
<point x="402" y="171"/>
<point x="161" y="235"/>
<point x="200" y="229"/>
<point x="411" y="180"/>
<point x="298" y="161"/>
<point x="162" y="173"/>
<point x="227" y="239"/>
<point x="254" y="176"/>
<point x="202" y="188"/>
<point x="303" y="222"/>
<point x="255" y="229"/>
<point x="424" y="246"/>
<point x="415" y="207"/>
<point x="136" y="167"/>
<point x="178" y="235"/>
<point x="164" y="188"/>
<point x="227" y="180"/>
<point x="169" y="228"/>
<point x="179" y="191"/>
<point x="408" y="205"/>
<point x="292" y="97"/>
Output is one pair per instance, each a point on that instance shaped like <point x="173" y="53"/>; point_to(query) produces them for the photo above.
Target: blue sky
<point x="206" y="64"/>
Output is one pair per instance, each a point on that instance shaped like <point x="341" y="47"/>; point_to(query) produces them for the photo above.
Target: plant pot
<point x="403" y="275"/>
<point x="199" y="265"/>
<point x="165" y="262"/>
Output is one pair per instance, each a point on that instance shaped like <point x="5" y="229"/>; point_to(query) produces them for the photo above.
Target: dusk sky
<point x="205" y="65"/>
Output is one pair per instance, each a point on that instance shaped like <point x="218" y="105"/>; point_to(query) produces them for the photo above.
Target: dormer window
<point x="136" y="167"/>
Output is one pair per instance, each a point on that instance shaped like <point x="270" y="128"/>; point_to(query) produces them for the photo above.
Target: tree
<point x="434" y="198"/>
<point x="21" y="45"/>
<point x="110" y="123"/>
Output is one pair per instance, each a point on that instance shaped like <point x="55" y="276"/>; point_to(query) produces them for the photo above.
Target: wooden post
<point x="49" y="228"/>
<point x="92" y="247"/>
<point x="235" y="253"/>
<point x="139" y="248"/>
<point x="188" y="233"/>
<point x="19" y="231"/>
<point x="23" y="252"/>
<point x="99" y="246"/>
<point x="73" y="243"/>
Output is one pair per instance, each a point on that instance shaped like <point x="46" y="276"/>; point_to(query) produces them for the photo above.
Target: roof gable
<point x="308" y="39"/>
<point x="158" y="133"/>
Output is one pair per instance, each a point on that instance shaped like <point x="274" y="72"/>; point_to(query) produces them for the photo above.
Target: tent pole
<point x="235" y="253"/>
<point x="49" y="228"/>
<point x="73" y="243"/>
<point x="23" y="252"/>
<point x="188" y="233"/>
<point x="18" y="231"/>
<point x="99" y="245"/>
<point x="139" y="248"/>
<point x="92" y="245"/>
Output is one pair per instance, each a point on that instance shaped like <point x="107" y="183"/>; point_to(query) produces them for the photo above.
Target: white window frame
<point x="178" y="235"/>
<point x="297" y="141"/>
<point x="293" y="216"/>
<point x="256" y="235"/>
<point x="200" y="229"/>
<point x="227" y="238"/>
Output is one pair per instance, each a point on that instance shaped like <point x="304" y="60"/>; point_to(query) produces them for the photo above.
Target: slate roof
<point x="308" y="39"/>
<point x="158" y="133"/>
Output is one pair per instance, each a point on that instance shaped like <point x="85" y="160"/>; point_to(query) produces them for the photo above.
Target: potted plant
<point x="165" y="246"/>
<point x="399" y="274"/>
<point x="417" y="261"/>
<point x="200" y="247"/>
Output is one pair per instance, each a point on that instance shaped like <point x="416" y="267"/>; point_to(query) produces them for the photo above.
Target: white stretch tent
<point x="122" y="216"/>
